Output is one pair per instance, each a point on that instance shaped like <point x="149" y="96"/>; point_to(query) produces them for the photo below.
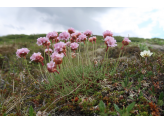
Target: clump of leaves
<point x="125" y="111"/>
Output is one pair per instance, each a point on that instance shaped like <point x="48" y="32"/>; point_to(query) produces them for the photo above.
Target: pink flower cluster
<point x="68" y="43"/>
<point x="37" y="58"/>
<point x="73" y="37"/>
<point x="64" y="36"/>
<point x="51" y="67"/>
<point x="43" y="41"/>
<point x="48" y="51"/>
<point x="77" y="34"/>
<point x="94" y="39"/>
<point x="71" y="30"/>
<point x="74" y="46"/>
<point x="82" y="37"/>
<point x="110" y="41"/>
<point x="125" y="42"/>
<point x="57" y="58"/>
<point x="88" y="33"/>
<point x="107" y="33"/>
<point x="60" y="47"/>
<point x="91" y="39"/>
<point x="52" y="35"/>
<point x="22" y="52"/>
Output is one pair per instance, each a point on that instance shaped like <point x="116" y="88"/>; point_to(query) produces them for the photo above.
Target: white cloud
<point x="124" y="21"/>
<point x="121" y="21"/>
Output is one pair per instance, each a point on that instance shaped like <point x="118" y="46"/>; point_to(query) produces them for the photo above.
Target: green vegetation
<point x="120" y="84"/>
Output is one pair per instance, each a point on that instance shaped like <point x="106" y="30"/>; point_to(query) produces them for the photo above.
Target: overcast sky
<point x="137" y="22"/>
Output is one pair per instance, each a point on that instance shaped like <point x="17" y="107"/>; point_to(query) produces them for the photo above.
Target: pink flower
<point x="72" y="40"/>
<point x="57" y="58"/>
<point x="22" y="52"/>
<point x="74" y="46"/>
<point x="82" y="37"/>
<point x="48" y="51"/>
<point x="110" y="42"/>
<point x="88" y="33"/>
<point x="77" y="34"/>
<point x="60" y="47"/>
<point x="52" y="35"/>
<point x="71" y="30"/>
<point x="37" y="58"/>
<point x="107" y="33"/>
<point x="77" y="40"/>
<point x="91" y="39"/>
<point x="64" y="36"/>
<point x="74" y="36"/>
<point x="68" y="43"/>
<point x="39" y="41"/>
<point x="51" y="67"/>
<point x="94" y="39"/>
<point x="57" y="39"/>
<point x="125" y="42"/>
<point x="43" y="41"/>
<point x="54" y="54"/>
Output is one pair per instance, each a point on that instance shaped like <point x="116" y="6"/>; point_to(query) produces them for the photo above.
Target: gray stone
<point x="156" y="47"/>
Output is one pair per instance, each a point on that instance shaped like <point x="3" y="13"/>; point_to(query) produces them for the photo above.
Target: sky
<point x="132" y="21"/>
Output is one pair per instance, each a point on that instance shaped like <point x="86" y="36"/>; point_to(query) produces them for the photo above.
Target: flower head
<point x="77" y="34"/>
<point x="43" y="41"/>
<point x="126" y="41"/>
<point x="64" y="36"/>
<point x="94" y="39"/>
<point x="82" y="37"/>
<point x="110" y="41"/>
<point x="107" y="33"/>
<point x="146" y="53"/>
<point x="68" y="43"/>
<point x="57" y="39"/>
<point x="71" y="30"/>
<point x="56" y="55"/>
<point x="74" y="36"/>
<point x="60" y="47"/>
<point x="72" y="40"/>
<point x="22" y="52"/>
<point x="88" y="33"/>
<point x="77" y="40"/>
<point x="57" y="58"/>
<point x="37" y="58"/>
<point x="47" y="51"/>
<point x="51" y="67"/>
<point x="74" y="46"/>
<point x="91" y="39"/>
<point x="52" y="35"/>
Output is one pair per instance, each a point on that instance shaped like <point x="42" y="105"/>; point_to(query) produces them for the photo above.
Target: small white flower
<point x="146" y="53"/>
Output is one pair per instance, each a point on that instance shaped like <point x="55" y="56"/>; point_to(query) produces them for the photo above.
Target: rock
<point x="156" y="47"/>
<point x="100" y="51"/>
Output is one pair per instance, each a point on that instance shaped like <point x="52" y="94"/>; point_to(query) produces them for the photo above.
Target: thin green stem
<point x="31" y="75"/>
<point x="116" y="65"/>
<point x="41" y="70"/>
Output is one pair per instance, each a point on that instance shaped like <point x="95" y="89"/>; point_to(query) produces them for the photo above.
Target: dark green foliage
<point x="131" y="51"/>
